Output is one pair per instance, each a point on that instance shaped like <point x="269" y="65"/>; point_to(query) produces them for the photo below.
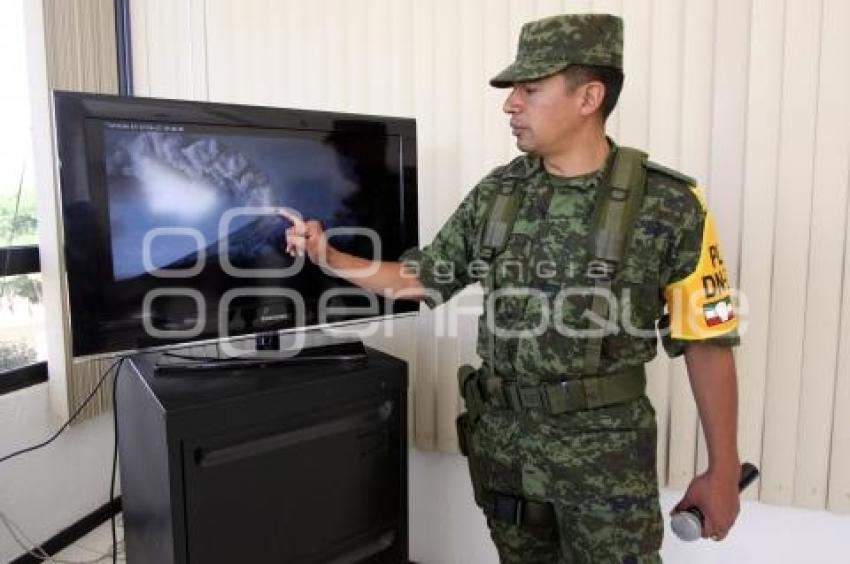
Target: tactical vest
<point x="619" y="200"/>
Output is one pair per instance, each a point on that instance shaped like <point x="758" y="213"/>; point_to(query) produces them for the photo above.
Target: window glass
<point x="21" y="311"/>
<point x="17" y="189"/>
<point x="22" y="339"/>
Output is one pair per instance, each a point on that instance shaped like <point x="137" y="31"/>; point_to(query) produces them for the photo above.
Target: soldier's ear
<point x="593" y="94"/>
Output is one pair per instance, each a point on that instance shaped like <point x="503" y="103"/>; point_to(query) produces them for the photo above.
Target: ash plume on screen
<point x="205" y="160"/>
<point x="189" y="180"/>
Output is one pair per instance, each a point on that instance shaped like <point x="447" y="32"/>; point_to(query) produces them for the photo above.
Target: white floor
<point x="764" y="534"/>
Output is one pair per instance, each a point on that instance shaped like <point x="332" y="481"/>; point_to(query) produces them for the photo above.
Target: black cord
<point x="70" y="419"/>
<point x="114" y="457"/>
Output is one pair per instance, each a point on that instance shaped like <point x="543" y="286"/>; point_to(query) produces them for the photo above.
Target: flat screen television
<point x="172" y="233"/>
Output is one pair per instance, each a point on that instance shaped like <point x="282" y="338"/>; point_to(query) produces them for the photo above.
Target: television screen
<point x="173" y="229"/>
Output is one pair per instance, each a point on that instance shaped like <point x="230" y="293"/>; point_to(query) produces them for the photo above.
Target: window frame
<point x="24" y="259"/>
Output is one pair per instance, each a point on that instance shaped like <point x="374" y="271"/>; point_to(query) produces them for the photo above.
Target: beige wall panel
<point x="223" y="30"/>
<point x="449" y="44"/>
<point x="519" y="12"/>
<point x="139" y="41"/>
<point x="198" y="49"/>
<point x="793" y="220"/>
<point x="725" y="179"/>
<point x="70" y="46"/>
<point x="611" y="7"/>
<point x="696" y="89"/>
<point x="634" y="131"/>
<point x="355" y="51"/>
<point x="471" y="79"/>
<point x="400" y="55"/>
<point x="295" y="52"/>
<point x="498" y="52"/>
<point x="839" y="468"/>
<point x="758" y="219"/>
<point x="169" y="46"/>
<point x="546" y="8"/>
<point x="665" y="104"/>
<point x="424" y="105"/>
<point x="576" y="6"/>
<point x="423" y="77"/>
<point x="336" y="92"/>
<point x="826" y="251"/>
<point x="634" y="101"/>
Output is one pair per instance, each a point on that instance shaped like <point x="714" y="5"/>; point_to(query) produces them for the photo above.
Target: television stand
<point x="302" y="463"/>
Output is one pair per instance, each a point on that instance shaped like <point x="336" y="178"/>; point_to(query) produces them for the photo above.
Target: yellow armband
<point x="701" y="305"/>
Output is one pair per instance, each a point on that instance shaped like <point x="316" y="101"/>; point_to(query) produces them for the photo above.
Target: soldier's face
<point x="544" y="114"/>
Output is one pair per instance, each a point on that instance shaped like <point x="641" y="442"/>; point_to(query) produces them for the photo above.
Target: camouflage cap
<point x="552" y="44"/>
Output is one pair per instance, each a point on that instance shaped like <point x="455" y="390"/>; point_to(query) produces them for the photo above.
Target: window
<point x="22" y="336"/>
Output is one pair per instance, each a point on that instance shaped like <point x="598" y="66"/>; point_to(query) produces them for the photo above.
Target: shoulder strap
<point x="503" y="207"/>
<point x="501" y="215"/>
<point x="616" y="211"/>
<point x="619" y="202"/>
<point x="655" y="167"/>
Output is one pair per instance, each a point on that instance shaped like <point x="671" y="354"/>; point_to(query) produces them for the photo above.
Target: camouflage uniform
<point x="596" y="467"/>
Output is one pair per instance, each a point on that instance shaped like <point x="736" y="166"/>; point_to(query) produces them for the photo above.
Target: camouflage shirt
<point x="671" y="279"/>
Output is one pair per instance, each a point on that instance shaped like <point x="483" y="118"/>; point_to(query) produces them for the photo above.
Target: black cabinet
<point x="283" y="463"/>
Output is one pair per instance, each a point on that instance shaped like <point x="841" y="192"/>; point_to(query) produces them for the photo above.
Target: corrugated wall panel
<point x="792" y="237"/>
<point x="424" y="100"/>
<point x="80" y="54"/>
<point x="696" y="88"/>
<point x="826" y="251"/>
<point x="447" y="120"/>
<point x="725" y="180"/>
<point x="765" y="140"/>
<point x="758" y="218"/>
<point x="664" y="134"/>
<point x="839" y="469"/>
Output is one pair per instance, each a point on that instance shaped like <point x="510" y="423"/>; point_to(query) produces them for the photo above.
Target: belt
<point x="567" y="395"/>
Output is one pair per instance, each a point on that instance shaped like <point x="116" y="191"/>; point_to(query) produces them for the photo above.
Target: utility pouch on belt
<point x="462" y="425"/>
<point x="468" y="387"/>
<point x="464" y="441"/>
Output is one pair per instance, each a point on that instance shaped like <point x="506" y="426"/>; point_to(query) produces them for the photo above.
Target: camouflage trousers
<point x="597" y="468"/>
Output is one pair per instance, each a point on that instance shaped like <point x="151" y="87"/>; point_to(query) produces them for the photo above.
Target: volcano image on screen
<point x="190" y="179"/>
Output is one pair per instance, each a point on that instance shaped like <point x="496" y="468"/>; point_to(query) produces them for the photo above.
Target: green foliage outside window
<point x="17" y="218"/>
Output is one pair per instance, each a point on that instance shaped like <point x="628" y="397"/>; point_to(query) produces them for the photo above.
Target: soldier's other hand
<point x="716" y="494"/>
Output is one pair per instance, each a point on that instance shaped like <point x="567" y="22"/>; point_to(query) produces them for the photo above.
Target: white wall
<point x="47" y="490"/>
<point x="447" y="528"/>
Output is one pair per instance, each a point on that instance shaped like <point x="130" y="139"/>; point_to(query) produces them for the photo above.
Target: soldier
<point x="583" y="244"/>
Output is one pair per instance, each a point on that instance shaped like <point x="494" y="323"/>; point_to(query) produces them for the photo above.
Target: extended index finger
<point x="292" y="215"/>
